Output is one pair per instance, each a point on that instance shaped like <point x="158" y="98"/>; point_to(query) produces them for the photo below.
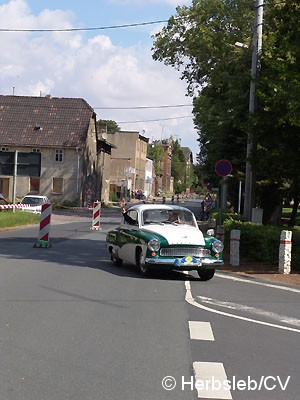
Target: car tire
<point x="144" y="270"/>
<point x="206" y="275"/>
<point x="116" y="260"/>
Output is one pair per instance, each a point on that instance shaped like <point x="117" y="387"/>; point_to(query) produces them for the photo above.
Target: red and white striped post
<point x="43" y="236"/>
<point x="285" y="252"/>
<point x="96" y="216"/>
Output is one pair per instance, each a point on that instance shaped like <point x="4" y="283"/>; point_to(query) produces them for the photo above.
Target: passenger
<point x="127" y="217"/>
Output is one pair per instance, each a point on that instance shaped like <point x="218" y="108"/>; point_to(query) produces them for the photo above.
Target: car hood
<point x="178" y="234"/>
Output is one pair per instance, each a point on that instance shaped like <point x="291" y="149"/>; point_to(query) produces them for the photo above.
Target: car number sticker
<point x="186" y="261"/>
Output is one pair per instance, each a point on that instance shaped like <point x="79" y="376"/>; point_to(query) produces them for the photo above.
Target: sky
<point x="112" y="69"/>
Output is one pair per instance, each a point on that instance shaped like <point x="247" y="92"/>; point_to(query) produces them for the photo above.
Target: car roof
<point x="35" y="196"/>
<point x="143" y="207"/>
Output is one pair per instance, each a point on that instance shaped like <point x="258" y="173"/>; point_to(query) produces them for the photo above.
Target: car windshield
<point x="32" y="200"/>
<point x="163" y="216"/>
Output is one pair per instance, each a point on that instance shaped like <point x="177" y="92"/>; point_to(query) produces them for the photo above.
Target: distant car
<point x="34" y="203"/>
<point x="3" y="200"/>
<point x="165" y="237"/>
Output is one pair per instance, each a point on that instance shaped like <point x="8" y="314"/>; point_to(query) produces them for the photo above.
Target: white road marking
<point x="189" y="299"/>
<point x="201" y="330"/>
<point x="252" y="310"/>
<point x="209" y="377"/>
<point x="245" y="280"/>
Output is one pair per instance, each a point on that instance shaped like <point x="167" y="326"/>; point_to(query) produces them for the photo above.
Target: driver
<point x="174" y="217"/>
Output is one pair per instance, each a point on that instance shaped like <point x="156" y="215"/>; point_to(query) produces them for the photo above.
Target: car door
<point x="129" y="237"/>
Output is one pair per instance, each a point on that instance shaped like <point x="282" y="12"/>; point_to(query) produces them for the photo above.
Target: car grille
<point x="184" y="252"/>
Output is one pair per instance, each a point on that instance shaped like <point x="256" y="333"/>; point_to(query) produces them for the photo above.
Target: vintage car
<point x="166" y="237"/>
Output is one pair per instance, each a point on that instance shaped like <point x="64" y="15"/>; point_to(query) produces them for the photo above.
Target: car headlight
<point x="217" y="246"/>
<point x="154" y="245"/>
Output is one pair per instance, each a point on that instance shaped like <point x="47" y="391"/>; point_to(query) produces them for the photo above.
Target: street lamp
<point x="255" y="66"/>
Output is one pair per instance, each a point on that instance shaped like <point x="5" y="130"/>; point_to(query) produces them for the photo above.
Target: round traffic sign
<point x="223" y="167"/>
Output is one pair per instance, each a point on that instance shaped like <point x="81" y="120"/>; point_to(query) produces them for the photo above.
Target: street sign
<point x="223" y="167"/>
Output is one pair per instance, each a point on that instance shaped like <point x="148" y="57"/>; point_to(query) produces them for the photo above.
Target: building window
<point x="4" y="148"/>
<point x="36" y="150"/>
<point x="59" y="155"/>
<point x="58" y="185"/>
<point x="34" y="185"/>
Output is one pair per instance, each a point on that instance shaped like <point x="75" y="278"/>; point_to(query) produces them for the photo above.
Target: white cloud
<point x="142" y="2"/>
<point x="71" y="65"/>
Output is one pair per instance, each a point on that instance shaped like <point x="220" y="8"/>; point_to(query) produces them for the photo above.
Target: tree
<point x="156" y="153"/>
<point x="108" y="126"/>
<point x="278" y="122"/>
<point x="178" y="168"/>
<point x="199" y="42"/>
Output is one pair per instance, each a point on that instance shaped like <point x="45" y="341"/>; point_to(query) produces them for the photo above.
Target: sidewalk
<point x="258" y="271"/>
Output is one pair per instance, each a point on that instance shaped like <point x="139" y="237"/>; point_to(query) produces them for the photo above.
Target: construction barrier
<point x="96" y="216"/>
<point x="43" y="236"/>
<point x="12" y="206"/>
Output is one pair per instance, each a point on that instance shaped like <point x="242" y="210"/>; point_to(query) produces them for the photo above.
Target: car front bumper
<point x="175" y="263"/>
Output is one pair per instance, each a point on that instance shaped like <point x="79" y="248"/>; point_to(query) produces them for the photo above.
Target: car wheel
<point x="116" y="260"/>
<point x="140" y="262"/>
<point x="206" y="275"/>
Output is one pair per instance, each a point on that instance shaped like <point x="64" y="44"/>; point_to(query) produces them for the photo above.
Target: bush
<point x="57" y="204"/>
<point x="227" y="215"/>
<point x="260" y="243"/>
<point x="113" y="197"/>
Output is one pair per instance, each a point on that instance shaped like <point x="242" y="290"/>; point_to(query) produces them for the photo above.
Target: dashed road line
<point x="210" y="378"/>
<point x="201" y="330"/>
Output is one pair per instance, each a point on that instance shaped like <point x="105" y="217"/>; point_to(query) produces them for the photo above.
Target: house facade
<point x="128" y="163"/>
<point x="54" y="148"/>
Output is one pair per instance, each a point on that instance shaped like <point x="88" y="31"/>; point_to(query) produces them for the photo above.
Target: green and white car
<point x="164" y="237"/>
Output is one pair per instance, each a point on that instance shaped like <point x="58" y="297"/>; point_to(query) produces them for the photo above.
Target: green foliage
<point x="258" y="242"/>
<point x="226" y="216"/>
<point x="108" y="126"/>
<point x="57" y="204"/>
<point x="113" y="197"/>
<point x="156" y="153"/>
<point x="199" y="42"/>
<point x="10" y="218"/>
<point x="178" y="168"/>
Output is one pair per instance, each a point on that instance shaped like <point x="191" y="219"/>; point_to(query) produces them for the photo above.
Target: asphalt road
<point x="73" y="326"/>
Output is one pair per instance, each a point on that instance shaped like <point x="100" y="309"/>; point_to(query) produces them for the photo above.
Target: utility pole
<point x="255" y="67"/>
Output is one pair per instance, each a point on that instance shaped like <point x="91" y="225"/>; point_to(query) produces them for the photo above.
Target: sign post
<point x="223" y="168"/>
